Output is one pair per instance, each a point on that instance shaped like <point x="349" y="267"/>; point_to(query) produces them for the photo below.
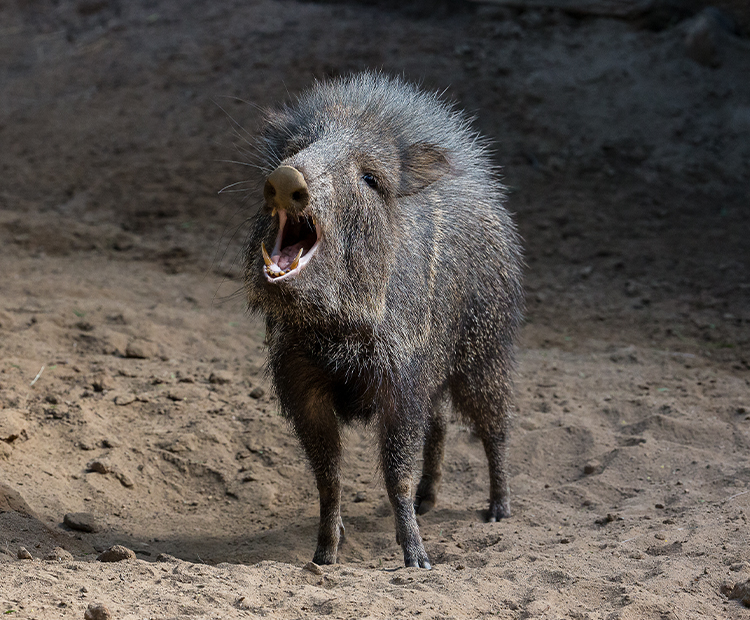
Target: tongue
<point x="288" y="254"/>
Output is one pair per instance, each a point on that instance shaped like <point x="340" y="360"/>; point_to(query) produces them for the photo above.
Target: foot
<point x="499" y="510"/>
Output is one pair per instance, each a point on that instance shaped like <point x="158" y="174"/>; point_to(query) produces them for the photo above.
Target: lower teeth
<point x="276" y="274"/>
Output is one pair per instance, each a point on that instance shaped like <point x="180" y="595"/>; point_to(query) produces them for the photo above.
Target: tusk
<point x="295" y="262"/>
<point x="266" y="257"/>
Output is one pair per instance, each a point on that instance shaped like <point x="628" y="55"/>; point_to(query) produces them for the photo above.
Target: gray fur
<point x="413" y="296"/>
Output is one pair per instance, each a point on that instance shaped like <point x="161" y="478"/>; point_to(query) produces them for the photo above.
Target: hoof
<point x="323" y="557"/>
<point x="421" y="563"/>
<point x="423" y="505"/>
<point x="499" y="510"/>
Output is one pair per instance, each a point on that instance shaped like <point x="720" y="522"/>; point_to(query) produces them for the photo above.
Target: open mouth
<point x="297" y="241"/>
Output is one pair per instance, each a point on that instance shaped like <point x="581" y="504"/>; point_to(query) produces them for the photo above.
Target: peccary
<point x="389" y="274"/>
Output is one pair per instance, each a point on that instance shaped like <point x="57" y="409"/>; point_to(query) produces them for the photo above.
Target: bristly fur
<point x="413" y="296"/>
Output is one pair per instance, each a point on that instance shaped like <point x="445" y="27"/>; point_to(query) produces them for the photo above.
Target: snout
<point x="299" y="235"/>
<point x="286" y="190"/>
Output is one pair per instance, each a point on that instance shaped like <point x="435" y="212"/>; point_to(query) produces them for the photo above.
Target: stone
<point x="116" y="553"/>
<point x="125" y="480"/>
<point x="313" y="568"/>
<point x="122" y="400"/>
<point x="12" y="426"/>
<point x="707" y="35"/>
<point x="592" y="467"/>
<point x="102" y="381"/>
<point x="11" y="501"/>
<point x="220" y="377"/>
<point x="740" y="591"/>
<point x="81" y="522"/>
<point x="140" y="349"/>
<point x="97" y="611"/>
<point x="59" y="554"/>
<point x="100" y="466"/>
<point x="23" y="554"/>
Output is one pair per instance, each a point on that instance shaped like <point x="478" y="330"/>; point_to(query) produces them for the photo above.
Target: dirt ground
<point x="132" y="382"/>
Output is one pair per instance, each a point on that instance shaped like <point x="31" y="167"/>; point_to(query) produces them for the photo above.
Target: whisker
<point x="241" y="163"/>
<point x="226" y="188"/>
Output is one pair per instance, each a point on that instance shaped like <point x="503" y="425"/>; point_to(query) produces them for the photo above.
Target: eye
<point x="371" y="180"/>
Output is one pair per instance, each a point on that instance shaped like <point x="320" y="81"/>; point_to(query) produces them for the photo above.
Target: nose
<point x="286" y="189"/>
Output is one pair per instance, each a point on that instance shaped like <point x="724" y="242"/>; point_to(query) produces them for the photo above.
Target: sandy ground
<point x="131" y="379"/>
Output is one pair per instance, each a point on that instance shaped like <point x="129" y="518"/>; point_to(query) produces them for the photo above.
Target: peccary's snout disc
<point x="286" y="189"/>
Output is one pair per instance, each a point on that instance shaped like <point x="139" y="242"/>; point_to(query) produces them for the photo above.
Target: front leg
<point x="318" y="432"/>
<point x="399" y="441"/>
<point x="305" y="396"/>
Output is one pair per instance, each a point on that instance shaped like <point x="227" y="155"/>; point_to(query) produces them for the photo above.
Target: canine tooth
<point x="266" y="257"/>
<point x="273" y="212"/>
<point x="295" y="262"/>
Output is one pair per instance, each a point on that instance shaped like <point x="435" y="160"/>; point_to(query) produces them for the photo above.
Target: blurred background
<point x="622" y="126"/>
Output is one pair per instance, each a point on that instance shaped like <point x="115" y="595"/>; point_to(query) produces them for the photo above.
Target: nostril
<point x="269" y="190"/>
<point x="297" y="195"/>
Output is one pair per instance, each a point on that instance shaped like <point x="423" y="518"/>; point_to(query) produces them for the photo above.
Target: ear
<point x="422" y="164"/>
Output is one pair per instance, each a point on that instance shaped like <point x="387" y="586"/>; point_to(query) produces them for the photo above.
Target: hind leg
<point x="496" y="449"/>
<point x="487" y="406"/>
<point x="434" y="446"/>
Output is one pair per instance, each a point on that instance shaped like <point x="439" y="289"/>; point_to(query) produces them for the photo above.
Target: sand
<point x="133" y="397"/>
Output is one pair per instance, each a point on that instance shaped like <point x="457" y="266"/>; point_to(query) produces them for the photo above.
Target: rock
<point x="114" y="343"/>
<point x="125" y="480"/>
<point x="165" y="557"/>
<point x="11" y="501"/>
<point x="102" y="381"/>
<point x="6" y="320"/>
<point x="12" y="426"/>
<point x="59" y="554"/>
<point x="125" y="317"/>
<point x="100" y="466"/>
<point x="740" y="591"/>
<point x="608" y="519"/>
<point x="81" y="521"/>
<point x="23" y="554"/>
<point x="706" y="36"/>
<point x="361" y="496"/>
<point x="313" y="568"/>
<point x="57" y="412"/>
<point x="177" y="395"/>
<point x="97" y="611"/>
<point x="140" y="349"/>
<point x="220" y="377"/>
<point x="124" y="399"/>
<point x="592" y="467"/>
<point x="257" y="392"/>
<point x="123" y="242"/>
<point x="116" y="553"/>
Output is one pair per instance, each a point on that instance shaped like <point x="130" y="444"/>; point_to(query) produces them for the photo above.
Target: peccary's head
<point x="344" y="161"/>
